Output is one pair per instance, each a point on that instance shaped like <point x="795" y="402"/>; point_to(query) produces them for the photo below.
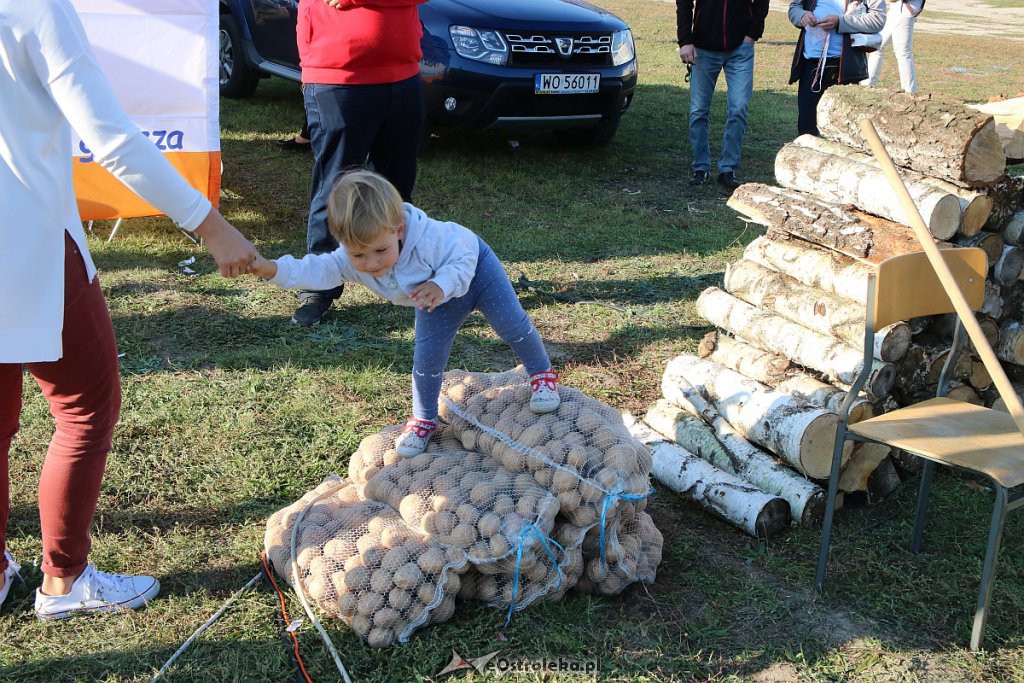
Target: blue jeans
<point x="739" y="76"/>
<point x="352" y="124"/>
<point x="492" y="294"/>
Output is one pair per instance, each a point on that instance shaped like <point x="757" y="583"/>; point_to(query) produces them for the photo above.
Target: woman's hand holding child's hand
<point x="263" y="267"/>
<point x="428" y="296"/>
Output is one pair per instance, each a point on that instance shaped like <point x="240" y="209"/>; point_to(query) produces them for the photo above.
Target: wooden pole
<point x="963" y="309"/>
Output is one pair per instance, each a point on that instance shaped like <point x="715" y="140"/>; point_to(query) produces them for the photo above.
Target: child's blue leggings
<point x="492" y="294"/>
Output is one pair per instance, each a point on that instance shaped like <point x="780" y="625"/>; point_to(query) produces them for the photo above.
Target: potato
<point x="482" y="494"/>
<point x="544" y="477"/>
<point x="408" y="576"/>
<point x="563" y="480"/>
<point x="537" y="572"/>
<point x="588" y="421"/>
<point x="373" y="557"/>
<point x="348" y="605"/>
<point x="442" y="485"/>
<point x="432" y="561"/>
<point x="385" y="618"/>
<point x="620" y="457"/>
<point x="487" y="589"/>
<point x="399" y="598"/>
<point x="353" y="562"/>
<point x="504" y="505"/>
<point x="394" y="558"/>
<point x="370" y="602"/>
<point x="381" y="637"/>
<point x="394" y="536"/>
<point x="534" y="435"/>
<point x="444" y="611"/>
<point x="306" y="557"/>
<point x="489" y="524"/>
<point x="336" y="550"/>
<point x="412" y="508"/>
<point x="427" y="592"/>
<point x="361" y="625"/>
<point x="429" y="523"/>
<point x="445" y="522"/>
<point x="381" y="580"/>
<point x="575" y="439"/>
<point x="468" y="513"/>
<point x="318" y="589"/>
<point x="608" y="478"/>
<point x="471" y="479"/>
<point x="463" y="535"/>
<point x="358" y="579"/>
<point x="569" y="500"/>
<point x="481" y="550"/>
<point x="589" y="492"/>
<point x="452" y="584"/>
<point x="513" y="461"/>
<point x="367" y="541"/>
<point x="456" y="557"/>
<point x="523" y="484"/>
<point x="469" y="439"/>
<point x="499" y="545"/>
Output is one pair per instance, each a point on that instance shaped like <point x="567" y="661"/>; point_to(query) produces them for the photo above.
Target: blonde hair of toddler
<point x="361" y="206"/>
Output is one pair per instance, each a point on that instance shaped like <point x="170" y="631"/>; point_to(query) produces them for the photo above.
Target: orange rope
<point x="284" y="614"/>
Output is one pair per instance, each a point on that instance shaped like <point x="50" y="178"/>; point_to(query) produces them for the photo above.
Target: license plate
<point x="566" y="84"/>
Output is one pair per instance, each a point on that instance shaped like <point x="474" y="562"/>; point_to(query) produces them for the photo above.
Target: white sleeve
<point x="313" y="272"/>
<point x="68" y="69"/>
<point x="455" y="259"/>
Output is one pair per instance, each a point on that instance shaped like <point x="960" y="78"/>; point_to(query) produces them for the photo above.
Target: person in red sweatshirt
<point x="364" y="102"/>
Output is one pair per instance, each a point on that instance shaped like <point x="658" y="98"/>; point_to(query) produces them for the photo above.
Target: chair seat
<point x="954" y="433"/>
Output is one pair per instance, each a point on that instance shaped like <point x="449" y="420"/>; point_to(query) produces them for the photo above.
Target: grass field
<point x="230" y="413"/>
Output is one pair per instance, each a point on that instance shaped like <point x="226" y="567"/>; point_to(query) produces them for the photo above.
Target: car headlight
<point x="622" y="47"/>
<point x="481" y="44"/>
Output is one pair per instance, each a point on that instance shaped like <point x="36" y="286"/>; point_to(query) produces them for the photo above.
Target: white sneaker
<point x="544" y="397"/>
<point x="10" y="574"/>
<point x="414" y="437"/>
<point x="96" y="591"/>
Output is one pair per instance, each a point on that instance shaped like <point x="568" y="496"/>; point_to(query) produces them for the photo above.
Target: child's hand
<point x="263" y="267"/>
<point x="427" y="296"/>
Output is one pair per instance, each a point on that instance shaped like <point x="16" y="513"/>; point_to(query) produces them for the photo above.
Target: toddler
<point x="442" y="269"/>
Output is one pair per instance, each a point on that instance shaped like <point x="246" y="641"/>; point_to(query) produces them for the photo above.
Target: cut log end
<point x="772" y="519"/>
<point x="895" y="342"/>
<point x="816" y="445"/>
<point x="976" y="214"/>
<point x="814" y="511"/>
<point x="881" y="381"/>
<point x="945" y="218"/>
<point x="985" y="161"/>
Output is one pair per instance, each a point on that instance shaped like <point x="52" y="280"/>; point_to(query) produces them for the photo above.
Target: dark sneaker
<point x="293" y="145"/>
<point x="312" y="307"/>
<point x="699" y="178"/>
<point x="728" y="180"/>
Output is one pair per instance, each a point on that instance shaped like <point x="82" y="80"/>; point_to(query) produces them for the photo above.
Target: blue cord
<point x="606" y="503"/>
<point x="545" y="541"/>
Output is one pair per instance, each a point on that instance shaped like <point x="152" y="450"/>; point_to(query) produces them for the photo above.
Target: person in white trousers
<point x="899" y="28"/>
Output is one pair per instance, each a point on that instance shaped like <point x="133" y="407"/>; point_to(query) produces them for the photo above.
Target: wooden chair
<point x="940" y="430"/>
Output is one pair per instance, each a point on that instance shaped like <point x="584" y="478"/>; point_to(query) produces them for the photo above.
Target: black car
<point x="564" y="65"/>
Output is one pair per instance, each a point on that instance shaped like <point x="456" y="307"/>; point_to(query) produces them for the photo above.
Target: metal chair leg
<point x="922" y="505"/>
<point x="830" y="506"/>
<point x="988" y="572"/>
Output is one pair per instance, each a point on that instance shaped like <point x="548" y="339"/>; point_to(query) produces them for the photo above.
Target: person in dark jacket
<point x="717" y="35"/>
<point x="824" y="55"/>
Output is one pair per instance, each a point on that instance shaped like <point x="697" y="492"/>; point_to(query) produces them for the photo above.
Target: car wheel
<point x="237" y="78"/>
<point x="595" y="136"/>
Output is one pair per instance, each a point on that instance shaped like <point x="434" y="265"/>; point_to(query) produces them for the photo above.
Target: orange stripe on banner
<point x="101" y="195"/>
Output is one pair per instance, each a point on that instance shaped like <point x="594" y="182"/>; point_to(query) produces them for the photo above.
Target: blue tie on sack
<point x="606" y="503"/>
<point x="546" y="543"/>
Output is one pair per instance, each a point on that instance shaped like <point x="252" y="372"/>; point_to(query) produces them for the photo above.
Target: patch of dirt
<point x="780" y="672"/>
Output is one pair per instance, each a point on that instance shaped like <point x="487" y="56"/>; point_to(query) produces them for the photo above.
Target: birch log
<point x="1007" y="199"/>
<point x="992" y="306"/>
<point x="812" y="308"/>
<point x="1009" y="266"/>
<point x="755" y="363"/>
<point x="855" y="233"/>
<point x="862" y="463"/>
<point x="812" y="265"/>
<point x="1011" y="343"/>
<point x="925" y="132"/>
<point x="989" y="242"/>
<point x="975" y="206"/>
<point x="835" y="359"/>
<point x="883" y="481"/>
<point x="701" y="429"/>
<point x="1013" y="231"/>
<point x="724" y="495"/>
<point x="826" y="396"/>
<point x="799" y="433"/>
<point x="842" y="180"/>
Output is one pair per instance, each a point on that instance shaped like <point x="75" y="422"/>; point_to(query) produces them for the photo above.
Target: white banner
<point x="161" y="57"/>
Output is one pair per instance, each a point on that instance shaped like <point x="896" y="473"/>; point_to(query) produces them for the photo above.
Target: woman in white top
<point x="899" y="28"/>
<point x="53" y="319"/>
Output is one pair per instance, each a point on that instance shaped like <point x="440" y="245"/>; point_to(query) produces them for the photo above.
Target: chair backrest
<point x="907" y="287"/>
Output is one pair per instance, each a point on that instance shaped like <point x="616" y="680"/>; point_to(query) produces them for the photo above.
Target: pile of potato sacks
<point x="505" y="507"/>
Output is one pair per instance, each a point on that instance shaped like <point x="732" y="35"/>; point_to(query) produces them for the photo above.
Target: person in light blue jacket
<point x="442" y="269"/>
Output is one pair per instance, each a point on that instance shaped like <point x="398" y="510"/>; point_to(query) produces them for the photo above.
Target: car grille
<point x="543" y="49"/>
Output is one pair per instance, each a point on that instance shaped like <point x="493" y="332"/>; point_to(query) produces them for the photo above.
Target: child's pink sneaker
<point x="415" y="437"/>
<point x="544" y="397"/>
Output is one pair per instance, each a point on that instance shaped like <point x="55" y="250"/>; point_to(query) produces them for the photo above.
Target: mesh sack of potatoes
<point x="465" y="499"/>
<point x="581" y="452"/>
<point x="358" y="560"/>
<point x="631" y="552"/>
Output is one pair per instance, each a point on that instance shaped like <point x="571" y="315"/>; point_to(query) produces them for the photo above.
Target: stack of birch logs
<point x="758" y="403"/>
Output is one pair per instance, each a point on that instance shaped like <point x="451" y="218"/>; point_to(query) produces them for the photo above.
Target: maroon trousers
<point x="83" y="389"/>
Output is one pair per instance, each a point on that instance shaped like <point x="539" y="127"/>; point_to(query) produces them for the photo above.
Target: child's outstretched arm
<point x="313" y="272"/>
